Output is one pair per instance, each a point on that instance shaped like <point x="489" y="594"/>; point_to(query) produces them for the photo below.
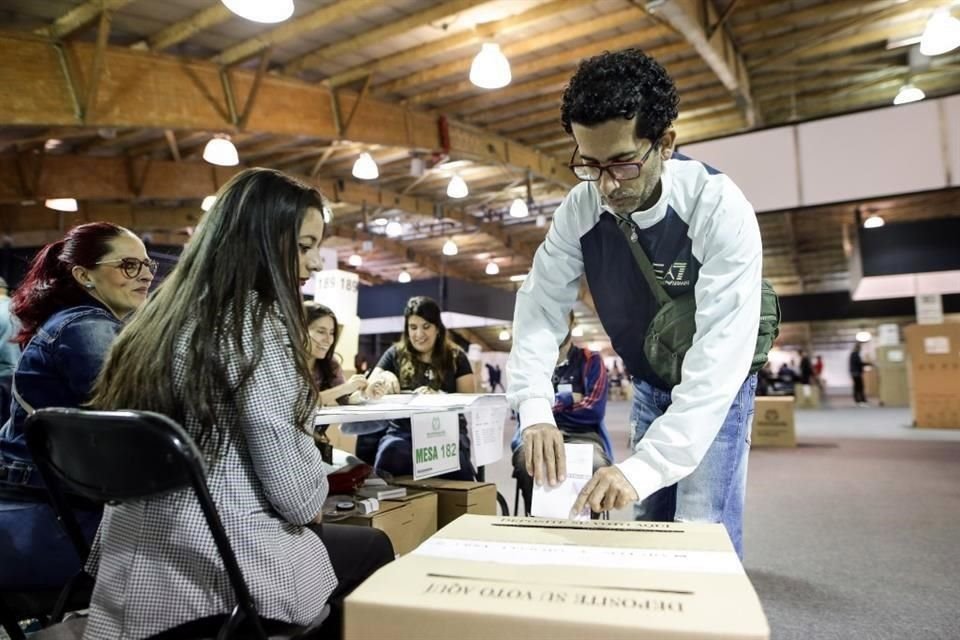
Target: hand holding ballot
<point x="607" y="489"/>
<point x="544" y="454"/>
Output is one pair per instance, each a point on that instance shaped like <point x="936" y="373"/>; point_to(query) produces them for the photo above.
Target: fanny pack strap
<point x="646" y="268"/>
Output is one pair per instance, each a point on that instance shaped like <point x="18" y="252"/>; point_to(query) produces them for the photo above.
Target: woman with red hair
<point x="71" y="305"/>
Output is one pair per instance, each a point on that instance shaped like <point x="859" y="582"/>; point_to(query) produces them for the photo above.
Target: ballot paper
<point x="556" y="502"/>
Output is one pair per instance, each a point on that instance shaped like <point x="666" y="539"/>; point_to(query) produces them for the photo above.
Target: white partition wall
<point x="763" y="164"/>
<point x="882" y="152"/>
<point x="874" y="153"/>
<point x="950" y="116"/>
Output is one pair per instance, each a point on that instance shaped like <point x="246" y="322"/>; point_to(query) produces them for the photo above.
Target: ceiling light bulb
<point x="380" y="222"/>
<point x="577" y="332"/>
<point x="873" y="222"/>
<point x="265" y="11"/>
<point x="457" y="187"/>
<point x="355" y="260"/>
<point x="404" y="277"/>
<point x="221" y="151"/>
<point x="365" y="168"/>
<point x="394" y="229"/>
<point x="863" y="336"/>
<point x="909" y="93"/>
<point x="208" y="203"/>
<point x="490" y="68"/>
<point x="450" y="248"/>
<point x="520" y="277"/>
<point x="518" y="209"/>
<point x="504" y="335"/>
<point x="492" y="268"/>
<point x="68" y="205"/>
<point x="942" y="34"/>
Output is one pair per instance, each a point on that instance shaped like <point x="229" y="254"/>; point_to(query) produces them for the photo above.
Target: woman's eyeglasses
<point x="132" y="267"/>
<point x="617" y="170"/>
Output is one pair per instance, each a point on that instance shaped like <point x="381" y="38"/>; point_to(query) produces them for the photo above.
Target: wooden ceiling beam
<point x="79" y="17"/>
<point x="461" y="67"/>
<point x="291" y="29"/>
<point x="185" y="29"/>
<point x="144" y="90"/>
<point x="380" y="34"/>
<point x="695" y="20"/>
<point x="824" y="38"/>
<point x="833" y="10"/>
<point x="479" y="33"/>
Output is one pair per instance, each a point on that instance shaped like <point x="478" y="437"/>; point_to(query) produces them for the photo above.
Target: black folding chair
<point x="119" y="456"/>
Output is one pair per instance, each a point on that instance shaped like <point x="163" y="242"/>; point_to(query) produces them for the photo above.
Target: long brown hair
<point x="443" y="357"/>
<point x="246" y="244"/>
<point x="324" y="368"/>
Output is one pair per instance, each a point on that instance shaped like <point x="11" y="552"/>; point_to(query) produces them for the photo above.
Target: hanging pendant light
<point x="450" y="248"/>
<point x="909" y="93"/>
<point x="490" y="68"/>
<point x="221" y="152"/>
<point x="67" y="205"/>
<point x="394" y="229"/>
<point x="492" y="268"/>
<point x="504" y="335"/>
<point x="873" y="222"/>
<point x="942" y="34"/>
<point x="404" y="277"/>
<point x="457" y="188"/>
<point x="365" y="168"/>
<point x="518" y="208"/>
<point x="265" y="11"/>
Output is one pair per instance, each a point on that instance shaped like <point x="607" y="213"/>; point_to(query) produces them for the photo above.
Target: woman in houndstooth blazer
<point x="221" y="348"/>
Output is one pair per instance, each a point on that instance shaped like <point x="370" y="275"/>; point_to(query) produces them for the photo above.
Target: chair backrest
<point x="118" y="456"/>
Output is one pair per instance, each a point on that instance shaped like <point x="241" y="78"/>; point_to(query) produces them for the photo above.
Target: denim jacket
<point x="57" y="369"/>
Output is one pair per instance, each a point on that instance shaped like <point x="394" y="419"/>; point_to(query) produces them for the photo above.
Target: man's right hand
<point x="544" y="454"/>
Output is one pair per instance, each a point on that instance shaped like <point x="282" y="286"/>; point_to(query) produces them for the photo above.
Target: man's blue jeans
<point x="715" y="491"/>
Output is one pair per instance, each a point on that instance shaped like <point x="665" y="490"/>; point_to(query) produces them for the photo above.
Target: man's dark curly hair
<point x="624" y="84"/>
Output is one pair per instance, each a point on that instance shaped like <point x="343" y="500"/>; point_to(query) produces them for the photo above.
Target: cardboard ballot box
<point x="423" y="520"/>
<point x="773" y="422"/>
<point x="407" y="521"/>
<point x="393" y="518"/>
<point x="495" y="577"/>
<point x="457" y="497"/>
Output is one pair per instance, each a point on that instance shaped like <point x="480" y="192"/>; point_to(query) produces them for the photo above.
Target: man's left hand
<point x="608" y="489"/>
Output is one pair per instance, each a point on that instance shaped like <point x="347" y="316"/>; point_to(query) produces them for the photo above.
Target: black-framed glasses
<point x="617" y="170"/>
<point x="132" y="267"/>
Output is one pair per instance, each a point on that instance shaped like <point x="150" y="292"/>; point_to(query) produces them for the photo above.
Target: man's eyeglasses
<point x="617" y="170"/>
<point x="132" y="267"/>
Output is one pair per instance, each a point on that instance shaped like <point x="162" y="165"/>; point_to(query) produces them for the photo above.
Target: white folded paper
<point x="556" y="502"/>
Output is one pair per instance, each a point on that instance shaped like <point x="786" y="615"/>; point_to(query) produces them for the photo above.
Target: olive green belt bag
<point x="670" y="333"/>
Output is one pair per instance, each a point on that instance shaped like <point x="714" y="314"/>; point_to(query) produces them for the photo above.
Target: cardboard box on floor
<point x="490" y="577"/>
<point x="934" y="354"/>
<point x="807" y="396"/>
<point x="893" y="387"/>
<point x="456" y="497"/>
<point x="406" y="521"/>
<point x="773" y="422"/>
